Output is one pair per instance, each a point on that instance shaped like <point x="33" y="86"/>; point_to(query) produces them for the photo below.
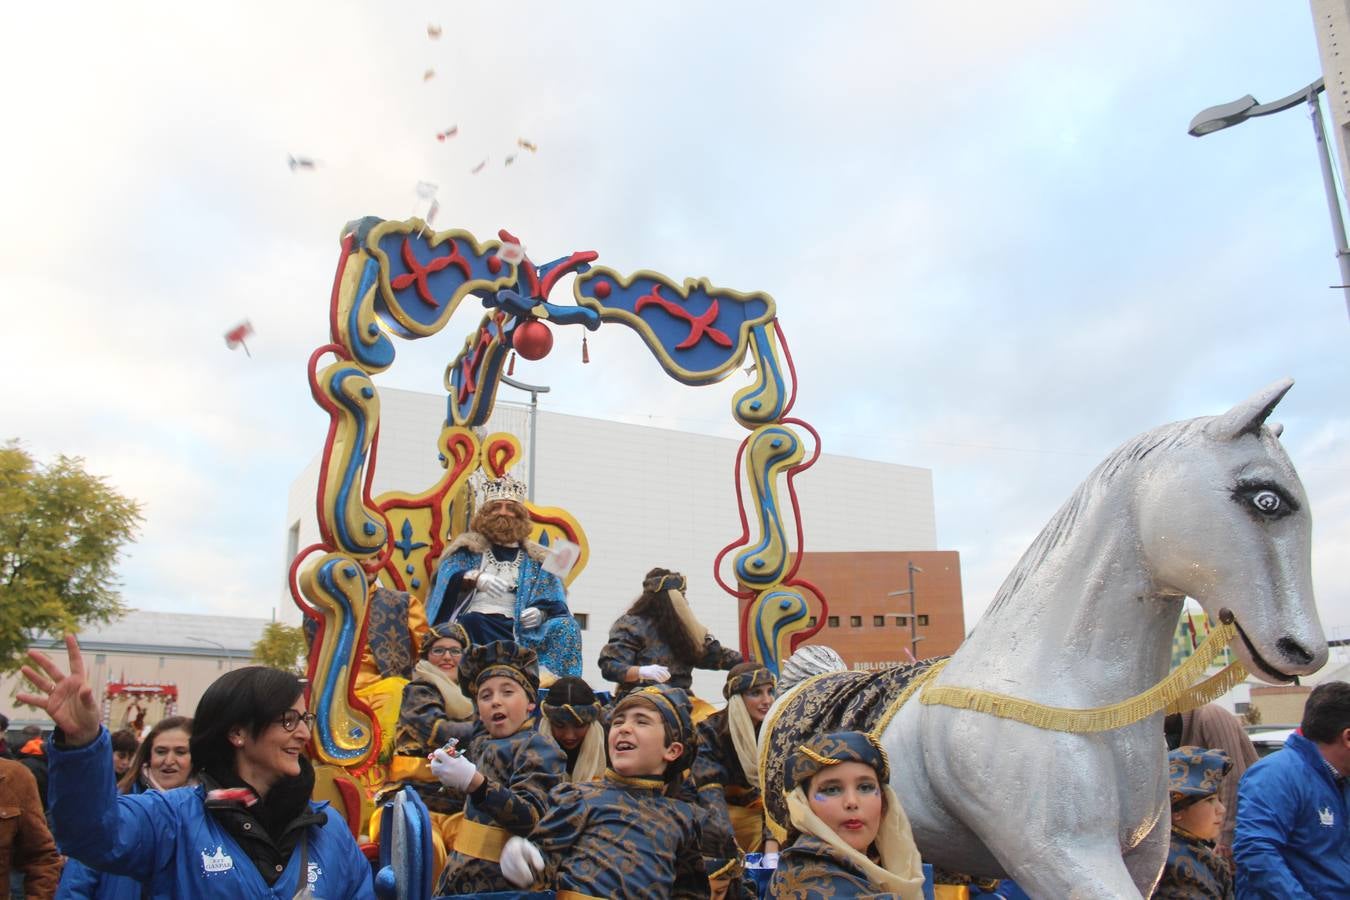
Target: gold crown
<point x="504" y="488"/>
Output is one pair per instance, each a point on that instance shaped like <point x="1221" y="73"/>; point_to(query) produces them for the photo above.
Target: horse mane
<point x="1121" y="461"/>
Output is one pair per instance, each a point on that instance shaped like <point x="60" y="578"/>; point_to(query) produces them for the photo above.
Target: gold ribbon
<point x="1178" y="692"/>
<point x="575" y="895"/>
<point x="481" y="841"/>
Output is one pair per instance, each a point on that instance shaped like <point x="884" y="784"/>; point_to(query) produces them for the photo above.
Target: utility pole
<point x="1331" y="22"/>
<point x="913" y="613"/>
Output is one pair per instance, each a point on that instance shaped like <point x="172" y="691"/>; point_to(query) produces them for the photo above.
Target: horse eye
<point x="1267" y="502"/>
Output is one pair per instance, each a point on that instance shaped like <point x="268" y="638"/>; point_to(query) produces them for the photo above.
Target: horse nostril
<point x="1294" y="651"/>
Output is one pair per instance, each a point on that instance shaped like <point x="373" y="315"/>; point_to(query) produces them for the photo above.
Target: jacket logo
<point x="1327" y="816"/>
<point x="313" y="873"/>
<point x="212" y="865"/>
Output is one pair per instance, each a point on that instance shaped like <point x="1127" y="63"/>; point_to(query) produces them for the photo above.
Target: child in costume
<point x="506" y="772"/>
<point x="572" y="718"/>
<point x="849" y="836"/>
<point x="726" y="770"/>
<point x="623" y="837"/>
<point x="1194" y="869"/>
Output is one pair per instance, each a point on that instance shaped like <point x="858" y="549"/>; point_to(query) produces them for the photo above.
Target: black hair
<point x="124" y="740"/>
<point x="655" y="606"/>
<point x="570" y="689"/>
<point x="182" y="723"/>
<point x="1327" y="712"/>
<point x="252" y="697"/>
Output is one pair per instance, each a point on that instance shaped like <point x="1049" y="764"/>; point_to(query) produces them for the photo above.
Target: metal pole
<point x="913" y="615"/>
<point x="1333" y="198"/>
<point x="534" y="427"/>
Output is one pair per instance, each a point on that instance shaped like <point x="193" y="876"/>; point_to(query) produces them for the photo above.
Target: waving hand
<point x="68" y="699"/>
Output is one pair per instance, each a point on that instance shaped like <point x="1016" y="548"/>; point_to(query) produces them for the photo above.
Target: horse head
<point x="1227" y="523"/>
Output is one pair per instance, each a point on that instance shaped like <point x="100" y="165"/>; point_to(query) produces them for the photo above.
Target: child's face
<point x="503" y="705"/>
<point x="847" y="798"/>
<point x="121" y="762"/>
<point x="1204" y="818"/>
<point x="569" y="737"/>
<point x="757" y="702"/>
<point x="637" y="742"/>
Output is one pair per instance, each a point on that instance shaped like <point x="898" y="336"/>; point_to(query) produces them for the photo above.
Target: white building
<point x="645" y="497"/>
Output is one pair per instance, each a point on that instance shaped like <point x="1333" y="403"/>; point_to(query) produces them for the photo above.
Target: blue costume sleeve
<point x="710" y="777"/>
<point x="78" y="882"/>
<point x="1266" y="802"/>
<point x="621" y="652"/>
<point x="129" y="834"/>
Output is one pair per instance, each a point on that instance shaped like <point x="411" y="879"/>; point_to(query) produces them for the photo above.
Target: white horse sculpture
<point x="1209" y="508"/>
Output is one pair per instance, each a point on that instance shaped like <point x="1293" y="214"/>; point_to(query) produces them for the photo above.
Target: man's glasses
<point x="445" y="651"/>
<point x="291" y="719"/>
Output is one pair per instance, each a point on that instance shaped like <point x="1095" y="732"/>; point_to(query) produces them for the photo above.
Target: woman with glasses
<point x="434" y="711"/>
<point x="246" y="830"/>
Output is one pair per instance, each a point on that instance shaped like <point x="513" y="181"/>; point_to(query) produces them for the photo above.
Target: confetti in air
<point x="527" y="145"/>
<point x="434" y="31"/>
<point x="448" y="133"/>
<point x="301" y="162"/>
<point x="478" y="168"/>
<point x="428" y="74"/>
<point x="235" y="337"/>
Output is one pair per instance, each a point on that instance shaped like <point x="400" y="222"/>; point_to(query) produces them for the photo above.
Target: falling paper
<point x="450" y="132"/>
<point x="511" y="254"/>
<point x="426" y="190"/>
<point x="432" y="210"/>
<point x="433" y="31"/>
<point x="478" y="168"/>
<point x="300" y="162"/>
<point x="234" y="338"/>
<point x="510" y="159"/>
<point x="527" y="145"/>
<point x="428" y="74"/>
<point x="562" y="556"/>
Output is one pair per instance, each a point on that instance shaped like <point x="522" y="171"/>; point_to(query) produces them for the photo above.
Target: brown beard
<point x="508" y="528"/>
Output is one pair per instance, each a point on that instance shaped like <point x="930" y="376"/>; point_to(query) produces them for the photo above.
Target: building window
<point x="923" y="620"/>
<point x="855" y="621"/>
<point x="832" y="621"/>
<point x="583" y="620"/>
<point x="220" y="664"/>
<point x="161" y="662"/>
<point x="878" y="621"/>
<point x="811" y="622"/>
<point x="100" y="658"/>
<point x="902" y="620"/>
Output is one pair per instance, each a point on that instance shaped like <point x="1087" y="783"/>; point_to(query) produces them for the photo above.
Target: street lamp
<point x="229" y="657"/>
<point x="534" y="390"/>
<point x="1217" y="118"/>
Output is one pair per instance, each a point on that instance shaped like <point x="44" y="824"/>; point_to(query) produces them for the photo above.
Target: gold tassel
<point x="585" y="353"/>
<point x="511" y="365"/>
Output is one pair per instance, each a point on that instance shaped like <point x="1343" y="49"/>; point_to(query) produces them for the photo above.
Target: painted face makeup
<point x="503" y="706"/>
<point x="848" y="799"/>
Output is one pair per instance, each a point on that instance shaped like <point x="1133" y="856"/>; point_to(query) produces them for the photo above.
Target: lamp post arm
<point x="1300" y="96"/>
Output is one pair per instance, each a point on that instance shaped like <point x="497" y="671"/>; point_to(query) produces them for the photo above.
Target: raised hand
<point x="68" y="699"/>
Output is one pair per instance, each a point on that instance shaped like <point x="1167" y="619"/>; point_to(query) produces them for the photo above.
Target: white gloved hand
<point x="490" y="584"/>
<point x="768" y="861"/>
<point x="531" y="618"/>
<point x="521" y="862"/>
<point x="453" y="771"/>
<point x="658" y="674"/>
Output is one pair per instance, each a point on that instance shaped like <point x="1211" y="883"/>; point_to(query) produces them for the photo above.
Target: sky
<point x="994" y="249"/>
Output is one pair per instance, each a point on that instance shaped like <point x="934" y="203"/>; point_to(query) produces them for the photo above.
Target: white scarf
<point x="457" y="706"/>
<point x="591" y="756"/>
<point x="901" y="869"/>
<point x="742" y="729"/>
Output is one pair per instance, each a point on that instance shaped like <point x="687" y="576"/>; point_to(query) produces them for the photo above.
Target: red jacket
<point x="25" y="843"/>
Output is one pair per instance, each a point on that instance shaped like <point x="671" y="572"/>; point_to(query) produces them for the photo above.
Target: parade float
<point x="1031" y="753"/>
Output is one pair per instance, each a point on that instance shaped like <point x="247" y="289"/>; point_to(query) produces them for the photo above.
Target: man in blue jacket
<point x="1293" y="840"/>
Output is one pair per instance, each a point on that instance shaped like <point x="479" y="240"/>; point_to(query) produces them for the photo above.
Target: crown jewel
<point x="504" y="488"/>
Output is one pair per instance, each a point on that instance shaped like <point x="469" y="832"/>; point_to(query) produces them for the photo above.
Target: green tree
<point x="282" y="647"/>
<point x="61" y="535"/>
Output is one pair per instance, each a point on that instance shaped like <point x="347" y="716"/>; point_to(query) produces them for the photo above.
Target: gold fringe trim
<point x="915" y="683"/>
<point x="1175" y="693"/>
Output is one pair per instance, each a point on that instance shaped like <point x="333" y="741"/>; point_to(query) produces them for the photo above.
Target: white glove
<point x="490" y="584"/>
<point x="654" y="673"/>
<point x="453" y="771"/>
<point x="531" y="618"/>
<point x="768" y="861"/>
<point x="521" y="862"/>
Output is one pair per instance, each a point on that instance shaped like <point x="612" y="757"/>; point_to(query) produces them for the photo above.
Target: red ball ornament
<point x="532" y="339"/>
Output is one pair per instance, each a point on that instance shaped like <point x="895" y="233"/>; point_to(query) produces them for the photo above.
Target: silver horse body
<point x="1208" y="508"/>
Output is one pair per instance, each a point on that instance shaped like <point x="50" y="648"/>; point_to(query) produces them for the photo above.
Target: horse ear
<point x="1248" y="416"/>
<point x="1277" y="429"/>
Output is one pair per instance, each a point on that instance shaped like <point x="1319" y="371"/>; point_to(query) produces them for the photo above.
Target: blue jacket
<point x="1292" y="838"/>
<point x="172" y="841"/>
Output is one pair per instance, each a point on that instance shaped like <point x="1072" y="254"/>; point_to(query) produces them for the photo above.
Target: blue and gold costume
<point x="730" y="797"/>
<point x="1193" y="868"/>
<point x="622" y="837"/>
<point x="819" y="864"/>
<point x="519" y="771"/>
<point x="425" y="723"/>
<point x="557" y="640"/>
<point x="634" y="641"/>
